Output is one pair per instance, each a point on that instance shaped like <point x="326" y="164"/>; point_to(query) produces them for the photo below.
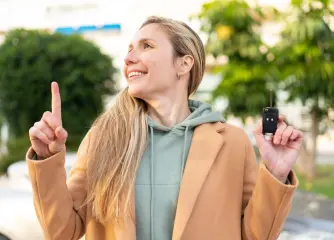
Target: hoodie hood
<point x="200" y="113"/>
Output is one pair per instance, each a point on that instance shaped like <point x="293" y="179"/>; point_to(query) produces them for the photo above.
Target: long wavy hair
<point x="120" y="134"/>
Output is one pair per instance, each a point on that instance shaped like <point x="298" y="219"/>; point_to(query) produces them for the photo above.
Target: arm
<point x="57" y="203"/>
<point x="266" y="201"/>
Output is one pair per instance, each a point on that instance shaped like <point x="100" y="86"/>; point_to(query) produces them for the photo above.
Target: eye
<point x="146" y="45"/>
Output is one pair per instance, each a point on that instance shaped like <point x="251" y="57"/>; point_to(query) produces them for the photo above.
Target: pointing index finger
<point x="56" y="101"/>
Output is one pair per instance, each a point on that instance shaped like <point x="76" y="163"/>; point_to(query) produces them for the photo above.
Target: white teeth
<point x="135" y="74"/>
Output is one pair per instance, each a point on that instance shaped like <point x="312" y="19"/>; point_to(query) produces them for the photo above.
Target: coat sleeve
<point x="266" y="201"/>
<point x="58" y="200"/>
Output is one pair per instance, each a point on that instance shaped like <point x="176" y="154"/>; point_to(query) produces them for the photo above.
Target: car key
<point x="269" y="119"/>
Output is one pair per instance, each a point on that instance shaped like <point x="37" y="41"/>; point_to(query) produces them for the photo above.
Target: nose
<point x="131" y="58"/>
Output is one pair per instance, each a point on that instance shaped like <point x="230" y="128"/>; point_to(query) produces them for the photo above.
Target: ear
<point x="185" y="64"/>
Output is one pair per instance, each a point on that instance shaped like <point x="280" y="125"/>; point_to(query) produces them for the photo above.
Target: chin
<point x="136" y="92"/>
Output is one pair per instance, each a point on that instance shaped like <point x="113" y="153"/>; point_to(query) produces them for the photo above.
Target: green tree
<point x="30" y="60"/>
<point x="305" y="57"/>
<point x="1" y="124"/>
<point x="233" y="30"/>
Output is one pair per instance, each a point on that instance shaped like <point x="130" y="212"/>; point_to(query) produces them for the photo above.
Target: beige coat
<point x="224" y="194"/>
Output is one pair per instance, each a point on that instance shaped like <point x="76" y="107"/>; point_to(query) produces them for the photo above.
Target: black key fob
<point x="269" y="121"/>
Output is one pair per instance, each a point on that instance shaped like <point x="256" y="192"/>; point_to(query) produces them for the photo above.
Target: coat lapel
<point x="205" y="146"/>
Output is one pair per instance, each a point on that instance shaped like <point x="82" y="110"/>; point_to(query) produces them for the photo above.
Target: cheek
<point x="150" y="61"/>
<point x="160" y="68"/>
<point x="157" y="59"/>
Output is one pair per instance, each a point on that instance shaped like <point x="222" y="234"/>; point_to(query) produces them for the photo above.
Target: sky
<point x="130" y="12"/>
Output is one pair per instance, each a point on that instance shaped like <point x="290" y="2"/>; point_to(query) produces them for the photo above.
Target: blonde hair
<point x="118" y="144"/>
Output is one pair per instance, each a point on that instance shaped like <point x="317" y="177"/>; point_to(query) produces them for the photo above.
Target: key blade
<point x="271" y="98"/>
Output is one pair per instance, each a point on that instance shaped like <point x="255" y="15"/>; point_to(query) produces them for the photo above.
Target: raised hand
<point x="47" y="136"/>
<point x="280" y="153"/>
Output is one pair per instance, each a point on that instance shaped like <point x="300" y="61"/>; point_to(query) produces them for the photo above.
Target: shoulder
<point x="237" y="144"/>
<point x="232" y="133"/>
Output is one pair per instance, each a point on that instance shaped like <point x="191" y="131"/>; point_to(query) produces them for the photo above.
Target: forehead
<point x="152" y="32"/>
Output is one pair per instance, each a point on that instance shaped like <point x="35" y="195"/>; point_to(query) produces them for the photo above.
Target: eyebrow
<point x="141" y="41"/>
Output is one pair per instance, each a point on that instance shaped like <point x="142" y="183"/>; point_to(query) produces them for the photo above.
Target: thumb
<point x="61" y="135"/>
<point x="259" y="137"/>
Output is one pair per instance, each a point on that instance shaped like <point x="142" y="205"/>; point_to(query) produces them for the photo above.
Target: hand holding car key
<point x="278" y="143"/>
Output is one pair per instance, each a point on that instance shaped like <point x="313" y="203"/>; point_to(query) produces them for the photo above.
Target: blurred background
<point x="252" y="47"/>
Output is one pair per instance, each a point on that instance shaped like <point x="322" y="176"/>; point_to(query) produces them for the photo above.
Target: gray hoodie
<point x="161" y="169"/>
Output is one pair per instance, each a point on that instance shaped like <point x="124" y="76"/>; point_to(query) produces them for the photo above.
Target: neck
<point x="168" y="111"/>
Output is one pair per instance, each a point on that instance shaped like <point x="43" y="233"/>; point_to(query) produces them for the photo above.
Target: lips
<point x="136" y="73"/>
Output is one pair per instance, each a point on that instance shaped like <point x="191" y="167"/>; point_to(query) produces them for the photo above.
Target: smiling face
<point x="149" y="65"/>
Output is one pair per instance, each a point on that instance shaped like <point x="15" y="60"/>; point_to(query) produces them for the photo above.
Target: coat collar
<point x="204" y="148"/>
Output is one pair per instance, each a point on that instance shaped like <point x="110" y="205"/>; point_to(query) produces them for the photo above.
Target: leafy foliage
<point x="16" y="147"/>
<point x="301" y="64"/>
<point x="306" y="56"/>
<point x="30" y="60"/>
<point x="233" y="29"/>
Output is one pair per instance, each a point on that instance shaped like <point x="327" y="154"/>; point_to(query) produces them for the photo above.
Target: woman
<point x="157" y="165"/>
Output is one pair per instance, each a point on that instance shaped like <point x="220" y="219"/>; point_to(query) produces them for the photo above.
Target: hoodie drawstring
<point x="183" y="160"/>
<point x="152" y="184"/>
